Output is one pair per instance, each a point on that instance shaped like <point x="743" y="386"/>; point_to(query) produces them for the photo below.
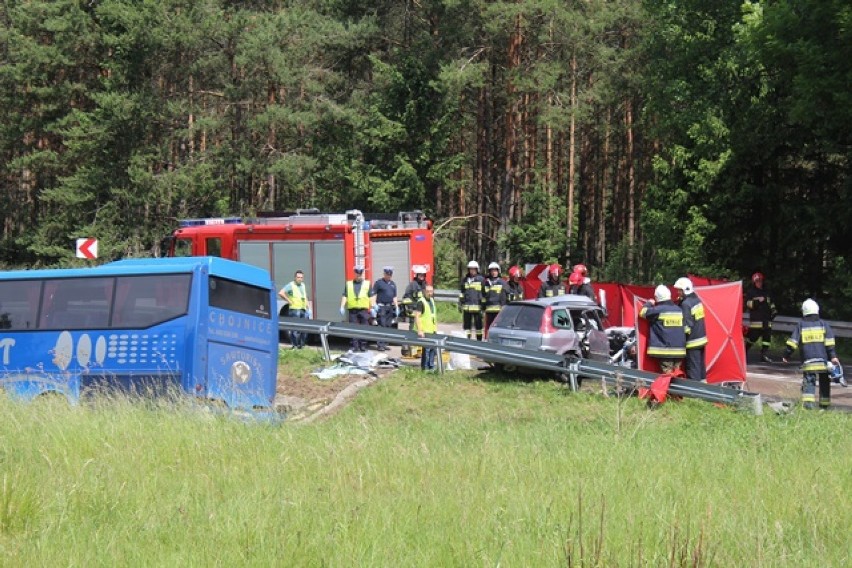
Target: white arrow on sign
<point x="87" y="248"/>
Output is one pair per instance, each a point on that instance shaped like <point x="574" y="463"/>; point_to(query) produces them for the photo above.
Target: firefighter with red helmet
<point x="815" y="341"/>
<point x="514" y="289"/>
<point x="582" y="283"/>
<point x="761" y="312"/>
<point x="472" y="300"/>
<point x="553" y="286"/>
<point x="495" y="295"/>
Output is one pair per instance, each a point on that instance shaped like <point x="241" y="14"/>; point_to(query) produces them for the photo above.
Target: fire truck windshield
<point x="183" y="247"/>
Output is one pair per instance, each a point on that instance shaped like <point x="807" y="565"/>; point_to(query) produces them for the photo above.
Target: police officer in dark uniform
<point x="387" y="307"/>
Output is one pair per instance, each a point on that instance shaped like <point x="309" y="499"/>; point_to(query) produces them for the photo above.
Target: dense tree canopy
<point x="643" y="138"/>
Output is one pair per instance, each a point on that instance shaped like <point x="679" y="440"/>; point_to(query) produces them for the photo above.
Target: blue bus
<point x="201" y="325"/>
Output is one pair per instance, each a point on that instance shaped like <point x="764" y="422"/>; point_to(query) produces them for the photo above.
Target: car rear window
<point x="519" y="316"/>
<point x="529" y="318"/>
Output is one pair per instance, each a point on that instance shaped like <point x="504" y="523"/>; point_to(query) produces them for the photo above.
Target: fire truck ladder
<point x="571" y="369"/>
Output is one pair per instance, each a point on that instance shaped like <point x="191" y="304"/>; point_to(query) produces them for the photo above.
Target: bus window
<point x="76" y="303"/>
<point x="19" y="304"/>
<point x="214" y="246"/>
<point x="143" y="301"/>
<point x="237" y="297"/>
<point x="183" y="247"/>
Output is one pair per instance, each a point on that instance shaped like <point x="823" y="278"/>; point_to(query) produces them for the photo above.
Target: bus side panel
<point x="240" y="376"/>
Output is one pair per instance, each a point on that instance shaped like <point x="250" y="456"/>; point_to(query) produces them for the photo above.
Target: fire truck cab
<point x="325" y="246"/>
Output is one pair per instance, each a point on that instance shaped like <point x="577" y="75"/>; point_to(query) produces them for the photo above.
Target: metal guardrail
<point x="781" y="323"/>
<point x="787" y="324"/>
<point x="572" y="369"/>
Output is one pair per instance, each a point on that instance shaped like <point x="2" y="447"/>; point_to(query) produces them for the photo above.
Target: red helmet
<point x="575" y="279"/>
<point x="581" y="268"/>
<point x="515" y="272"/>
<point x="554" y="270"/>
<point x="757" y="276"/>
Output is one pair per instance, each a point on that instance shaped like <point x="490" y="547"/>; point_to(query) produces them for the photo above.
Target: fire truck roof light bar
<point x="210" y="221"/>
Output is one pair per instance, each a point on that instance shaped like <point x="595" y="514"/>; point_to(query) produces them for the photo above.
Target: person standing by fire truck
<point x="387" y="307"/>
<point x="296" y="296"/>
<point x="356" y="302"/>
<point x="553" y="286"/>
<point x="472" y="300"/>
<point x="514" y="289"/>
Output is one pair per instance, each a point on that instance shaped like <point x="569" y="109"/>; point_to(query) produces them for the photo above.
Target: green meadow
<point x="421" y="470"/>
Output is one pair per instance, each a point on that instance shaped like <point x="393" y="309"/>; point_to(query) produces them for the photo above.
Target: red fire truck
<point x="325" y="246"/>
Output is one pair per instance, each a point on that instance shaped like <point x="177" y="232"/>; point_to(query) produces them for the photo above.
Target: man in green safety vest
<point x="295" y="294"/>
<point x="426" y="321"/>
<point x="356" y="301"/>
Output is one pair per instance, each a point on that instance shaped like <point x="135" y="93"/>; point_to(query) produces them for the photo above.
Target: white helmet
<point x="473" y="264"/>
<point x="418" y="269"/>
<point x="810" y="308"/>
<point x="662" y="293"/>
<point x="684" y="284"/>
<point x="493" y="266"/>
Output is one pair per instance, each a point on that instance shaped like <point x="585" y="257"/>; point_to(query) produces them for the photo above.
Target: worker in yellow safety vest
<point x="426" y="321"/>
<point x="295" y="294"/>
<point x="356" y="302"/>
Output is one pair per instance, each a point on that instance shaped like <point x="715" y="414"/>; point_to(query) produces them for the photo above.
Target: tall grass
<point x="426" y="471"/>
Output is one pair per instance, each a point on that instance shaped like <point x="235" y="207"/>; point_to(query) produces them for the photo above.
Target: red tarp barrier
<point x="705" y="280"/>
<point x="725" y="351"/>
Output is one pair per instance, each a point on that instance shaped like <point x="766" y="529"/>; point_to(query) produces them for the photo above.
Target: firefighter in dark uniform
<point x="696" y="331"/>
<point x="761" y="312"/>
<point x="387" y="306"/>
<point x="495" y="295"/>
<point x="414" y="290"/>
<point x="472" y="300"/>
<point x="667" y="337"/>
<point x="356" y="302"/>
<point x="553" y="286"/>
<point x="514" y="289"/>
<point x="815" y="340"/>
<point x="584" y="285"/>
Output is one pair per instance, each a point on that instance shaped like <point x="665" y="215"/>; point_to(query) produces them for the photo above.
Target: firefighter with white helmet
<point x="667" y="335"/>
<point x="472" y="300"/>
<point x="814" y="339"/>
<point x="695" y="328"/>
<point x="553" y="286"/>
<point x="495" y="295"/>
<point x="761" y="312"/>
